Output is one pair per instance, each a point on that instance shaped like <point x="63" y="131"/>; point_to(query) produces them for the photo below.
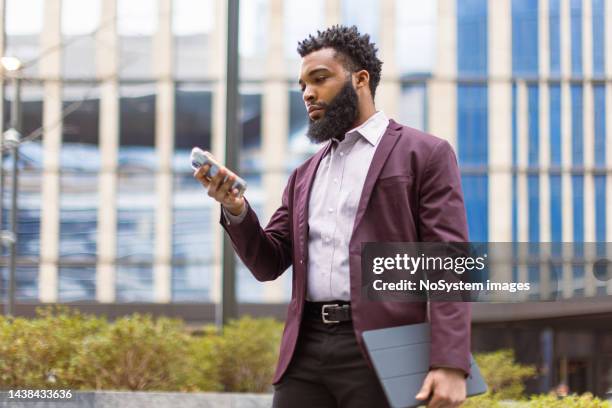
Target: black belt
<point x="328" y="312"/>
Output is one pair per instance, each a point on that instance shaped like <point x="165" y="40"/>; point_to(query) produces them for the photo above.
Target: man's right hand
<point x="222" y="191"/>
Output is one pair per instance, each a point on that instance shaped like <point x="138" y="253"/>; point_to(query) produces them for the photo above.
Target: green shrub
<point x="64" y="349"/>
<point x="134" y="353"/>
<point x="202" y="372"/>
<point x="36" y="353"/>
<point x="482" y="401"/>
<point x="573" y="401"/>
<point x="504" y="377"/>
<point x="246" y="354"/>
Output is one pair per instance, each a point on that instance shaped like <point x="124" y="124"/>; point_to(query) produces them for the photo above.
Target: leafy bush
<point x="134" y="353"/>
<point x="505" y="378"/>
<point x="36" y="353"/>
<point x="246" y="354"/>
<point x="573" y="401"/>
<point x="64" y="349"/>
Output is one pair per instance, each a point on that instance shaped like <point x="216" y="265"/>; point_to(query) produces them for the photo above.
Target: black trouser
<point x="328" y="370"/>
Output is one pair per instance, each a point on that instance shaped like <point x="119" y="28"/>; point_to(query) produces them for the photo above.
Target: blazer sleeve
<point x="267" y="252"/>
<point x="442" y="218"/>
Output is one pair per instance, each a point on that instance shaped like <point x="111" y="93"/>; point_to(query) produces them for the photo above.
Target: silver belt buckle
<point x="324" y="314"/>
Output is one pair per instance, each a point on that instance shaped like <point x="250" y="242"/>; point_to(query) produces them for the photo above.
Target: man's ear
<point x="361" y="79"/>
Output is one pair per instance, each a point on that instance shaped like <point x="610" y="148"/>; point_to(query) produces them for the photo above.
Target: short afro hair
<point x="356" y="50"/>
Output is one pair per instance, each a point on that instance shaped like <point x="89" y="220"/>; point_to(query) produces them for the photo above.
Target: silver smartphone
<point x="201" y="157"/>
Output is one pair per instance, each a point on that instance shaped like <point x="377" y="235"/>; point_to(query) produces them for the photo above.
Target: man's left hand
<point x="445" y="386"/>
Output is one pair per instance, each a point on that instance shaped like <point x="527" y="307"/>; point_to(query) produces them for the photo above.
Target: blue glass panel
<point x="599" y="105"/>
<point x="135" y="283"/>
<point x="554" y="36"/>
<point x="78" y="226"/>
<point x="578" y="212"/>
<point x="135" y="237"/>
<point x="514" y="208"/>
<point x="576" y="32"/>
<point x="533" y="192"/>
<point x="472" y="106"/>
<point x="524" y="37"/>
<point x="192" y="126"/>
<point x="191" y="283"/>
<point x="514" y="125"/>
<point x="413" y="106"/>
<point x="137" y="127"/>
<point x="598" y="10"/>
<point x="600" y="208"/>
<point x="77" y="283"/>
<point x="555" y="125"/>
<point x="534" y="125"/>
<point x="556" y="214"/>
<point x="192" y="240"/>
<point x="472" y="121"/>
<point x="26" y="282"/>
<point x="472" y="37"/>
<point x="135" y="234"/>
<point x="250" y="157"/>
<point x="578" y="207"/>
<point x="577" y="125"/>
<point x="28" y="213"/>
<point x="475" y="193"/>
<point x="299" y="147"/>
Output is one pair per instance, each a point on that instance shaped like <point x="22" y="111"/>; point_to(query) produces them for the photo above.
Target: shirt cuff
<point x="235" y="219"/>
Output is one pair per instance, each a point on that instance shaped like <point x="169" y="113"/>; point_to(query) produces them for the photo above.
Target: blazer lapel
<point x="386" y="144"/>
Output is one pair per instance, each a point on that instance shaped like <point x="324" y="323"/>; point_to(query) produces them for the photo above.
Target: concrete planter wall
<point x="114" y="399"/>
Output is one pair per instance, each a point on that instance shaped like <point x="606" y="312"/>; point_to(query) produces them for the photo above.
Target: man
<point x="373" y="180"/>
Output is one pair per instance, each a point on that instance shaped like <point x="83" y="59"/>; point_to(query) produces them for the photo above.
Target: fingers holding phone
<point x="222" y="186"/>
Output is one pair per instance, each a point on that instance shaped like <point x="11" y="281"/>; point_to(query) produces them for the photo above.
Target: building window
<point x="578" y="186"/>
<point x="136" y="193"/>
<point x="599" y="94"/>
<point x="524" y="37"/>
<point x="251" y="120"/>
<point x="576" y="32"/>
<point x="554" y="36"/>
<point x="599" y="43"/>
<point x="472" y="126"/>
<point x="413" y="106"/>
<point x="79" y="52"/>
<point x="299" y="146"/>
<point x="365" y="14"/>
<point x="192" y="234"/>
<point x="253" y="38"/>
<point x="556" y="214"/>
<point x="193" y="23"/>
<point x="29" y="193"/>
<point x="136" y="24"/>
<point x="24" y="21"/>
<point x="416" y="41"/>
<point x="472" y="44"/>
<point x="300" y="19"/>
<point x="80" y="164"/>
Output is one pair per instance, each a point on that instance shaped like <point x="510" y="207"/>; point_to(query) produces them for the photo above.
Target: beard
<point x="338" y="118"/>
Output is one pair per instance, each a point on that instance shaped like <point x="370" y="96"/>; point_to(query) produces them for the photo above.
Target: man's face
<point x="329" y="96"/>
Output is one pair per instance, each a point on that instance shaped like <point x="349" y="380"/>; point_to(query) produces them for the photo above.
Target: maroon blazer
<point x="412" y="193"/>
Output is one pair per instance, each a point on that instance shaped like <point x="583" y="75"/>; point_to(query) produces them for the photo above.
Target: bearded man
<point x="373" y="180"/>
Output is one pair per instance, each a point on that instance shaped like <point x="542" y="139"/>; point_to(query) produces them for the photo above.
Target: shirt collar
<point x="373" y="128"/>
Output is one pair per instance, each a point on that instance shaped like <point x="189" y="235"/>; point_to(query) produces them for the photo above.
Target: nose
<point x="309" y="96"/>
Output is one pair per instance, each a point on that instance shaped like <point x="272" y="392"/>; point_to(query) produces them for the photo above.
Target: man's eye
<point x="320" y="79"/>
